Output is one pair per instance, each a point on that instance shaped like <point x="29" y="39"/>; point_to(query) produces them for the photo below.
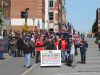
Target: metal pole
<point x="33" y="23"/>
<point x="47" y="25"/>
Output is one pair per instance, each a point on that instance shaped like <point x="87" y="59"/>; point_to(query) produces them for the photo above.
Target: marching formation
<point x="29" y="45"/>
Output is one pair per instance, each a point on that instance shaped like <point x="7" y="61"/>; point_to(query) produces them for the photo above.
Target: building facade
<point x="36" y="10"/>
<point x="96" y="25"/>
<point x="55" y="15"/>
<point x="63" y="12"/>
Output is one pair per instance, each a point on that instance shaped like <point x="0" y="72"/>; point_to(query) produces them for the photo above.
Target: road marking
<point x="85" y="67"/>
<point x="89" y="58"/>
<point x="29" y="69"/>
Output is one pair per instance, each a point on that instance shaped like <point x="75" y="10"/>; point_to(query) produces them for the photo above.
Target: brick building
<point x="55" y="15"/>
<point x="36" y="10"/>
<point x="96" y="25"/>
<point x="63" y="12"/>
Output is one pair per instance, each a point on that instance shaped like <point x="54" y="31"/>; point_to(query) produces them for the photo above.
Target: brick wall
<point x="35" y="8"/>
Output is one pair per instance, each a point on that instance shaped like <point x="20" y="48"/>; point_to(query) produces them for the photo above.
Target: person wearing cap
<point x="32" y="44"/>
<point x="2" y="48"/>
<point x="50" y="44"/>
<point x="39" y="47"/>
<point x="72" y="54"/>
<point x="27" y="52"/>
<point x="83" y="49"/>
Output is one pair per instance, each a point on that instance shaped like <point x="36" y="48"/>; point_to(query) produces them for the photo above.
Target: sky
<point x="81" y="13"/>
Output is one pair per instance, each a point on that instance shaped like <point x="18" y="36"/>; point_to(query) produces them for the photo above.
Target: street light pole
<point x="47" y="25"/>
<point x="33" y="23"/>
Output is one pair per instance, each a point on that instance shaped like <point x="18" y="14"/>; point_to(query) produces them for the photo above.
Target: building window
<point x="51" y="16"/>
<point x="51" y="3"/>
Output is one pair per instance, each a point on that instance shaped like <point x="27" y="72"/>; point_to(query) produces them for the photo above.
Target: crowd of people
<point x="28" y="45"/>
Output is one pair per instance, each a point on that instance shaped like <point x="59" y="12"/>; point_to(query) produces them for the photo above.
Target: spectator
<point x="6" y="41"/>
<point x="20" y="44"/>
<point x="13" y="46"/>
<point x="32" y="44"/>
<point x="2" y="48"/>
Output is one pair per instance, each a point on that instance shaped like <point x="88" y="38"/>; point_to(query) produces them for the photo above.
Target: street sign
<point x="51" y="58"/>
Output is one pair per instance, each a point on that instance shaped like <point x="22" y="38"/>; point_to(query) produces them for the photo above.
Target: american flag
<point x="64" y="27"/>
<point x="38" y="30"/>
<point x="75" y="37"/>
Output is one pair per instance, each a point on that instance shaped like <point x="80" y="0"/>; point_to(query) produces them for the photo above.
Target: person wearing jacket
<point x="32" y="47"/>
<point x="72" y="54"/>
<point x="83" y="49"/>
<point x="55" y="43"/>
<point x="13" y="46"/>
<point x="46" y="40"/>
<point x="27" y="52"/>
<point x="6" y="41"/>
<point x="20" y="44"/>
<point x="2" y="48"/>
<point x="62" y="46"/>
<point x="50" y="44"/>
<point x="39" y="47"/>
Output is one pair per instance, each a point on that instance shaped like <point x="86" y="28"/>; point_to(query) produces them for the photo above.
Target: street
<point x="15" y="66"/>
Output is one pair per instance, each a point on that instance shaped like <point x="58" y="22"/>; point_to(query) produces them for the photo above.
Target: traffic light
<point x="0" y="15"/>
<point x="23" y="14"/>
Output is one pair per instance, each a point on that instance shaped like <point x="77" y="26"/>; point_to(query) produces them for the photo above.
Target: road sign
<point x="51" y="58"/>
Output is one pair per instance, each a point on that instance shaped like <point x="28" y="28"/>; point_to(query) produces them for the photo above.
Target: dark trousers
<point x="83" y="56"/>
<point x="33" y="51"/>
<point x="19" y="52"/>
<point x="37" y="56"/>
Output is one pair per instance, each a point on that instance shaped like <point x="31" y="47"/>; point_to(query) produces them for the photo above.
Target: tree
<point x="2" y="13"/>
<point x="25" y="27"/>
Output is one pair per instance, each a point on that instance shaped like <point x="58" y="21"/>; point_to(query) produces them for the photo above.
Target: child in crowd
<point x="72" y="54"/>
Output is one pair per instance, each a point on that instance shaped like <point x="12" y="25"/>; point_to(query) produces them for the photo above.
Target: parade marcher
<point x="62" y="46"/>
<point x="50" y="44"/>
<point x="83" y="49"/>
<point x="6" y="41"/>
<point x="27" y="52"/>
<point x="59" y="39"/>
<point x="55" y="43"/>
<point x="46" y="40"/>
<point x="31" y="43"/>
<point x="39" y="47"/>
<point x="2" y="48"/>
<point x="20" y="44"/>
<point x="13" y="46"/>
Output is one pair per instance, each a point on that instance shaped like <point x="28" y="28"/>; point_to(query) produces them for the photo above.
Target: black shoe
<point x="36" y="62"/>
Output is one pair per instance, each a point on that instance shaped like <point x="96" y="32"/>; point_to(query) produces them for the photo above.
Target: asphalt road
<point x="14" y="66"/>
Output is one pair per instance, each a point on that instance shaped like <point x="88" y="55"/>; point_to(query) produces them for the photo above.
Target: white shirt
<point x="72" y="50"/>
